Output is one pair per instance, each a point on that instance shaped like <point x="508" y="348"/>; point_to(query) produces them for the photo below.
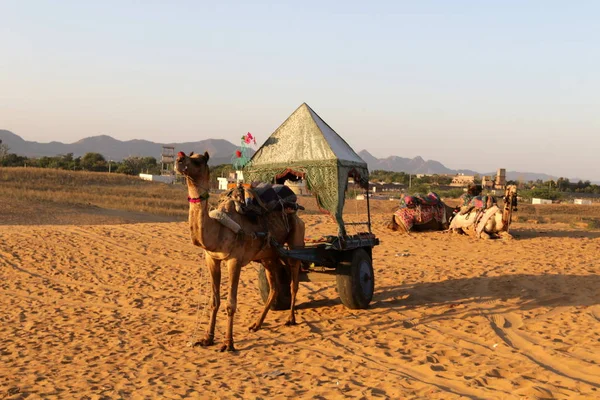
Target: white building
<point x="158" y="178"/>
<point x="586" y="202"/>
<point x="222" y="183"/>
<point x="540" y="201"/>
<point x="233" y="178"/>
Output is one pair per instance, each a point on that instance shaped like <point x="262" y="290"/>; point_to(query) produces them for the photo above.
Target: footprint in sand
<point x="410" y="323"/>
<point x="432" y="359"/>
<point x="499" y="321"/>
<point x="494" y="373"/>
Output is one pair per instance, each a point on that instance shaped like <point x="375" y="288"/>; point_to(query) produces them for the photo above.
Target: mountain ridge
<point x="221" y="152"/>
<point x="418" y="165"/>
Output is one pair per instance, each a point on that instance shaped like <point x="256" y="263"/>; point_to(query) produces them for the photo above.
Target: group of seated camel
<point x="477" y="214"/>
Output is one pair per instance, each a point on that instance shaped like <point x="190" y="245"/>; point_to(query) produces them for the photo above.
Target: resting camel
<point x="420" y="219"/>
<point x="494" y="222"/>
<point x="235" y="250"/>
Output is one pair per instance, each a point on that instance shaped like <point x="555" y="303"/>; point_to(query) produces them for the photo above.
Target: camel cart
<point x="304" y="148"/>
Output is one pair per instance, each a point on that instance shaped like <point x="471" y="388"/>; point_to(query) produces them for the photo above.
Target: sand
<point x="102" y="307"/>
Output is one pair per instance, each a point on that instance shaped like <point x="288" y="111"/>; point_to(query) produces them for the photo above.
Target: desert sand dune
<point x="106" y="310"/>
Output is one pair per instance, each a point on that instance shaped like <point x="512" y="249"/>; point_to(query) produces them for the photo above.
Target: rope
<point x="355" y="219"/>
<point x="284" y="216"/>
<point x="192" y="338"/>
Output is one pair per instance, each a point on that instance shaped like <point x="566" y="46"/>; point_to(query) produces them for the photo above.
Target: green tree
<point x="93" y="162"/>
<point x="124" y="168"/>
<point x="138" y="165"/>
<point x="13" y="160"/>
<point x="150" y="165"/>
<point x="4" y="149"/>
<point x="131" y="166"/>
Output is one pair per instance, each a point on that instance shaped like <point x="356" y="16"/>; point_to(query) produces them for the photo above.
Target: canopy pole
<point x="368" y="209"/>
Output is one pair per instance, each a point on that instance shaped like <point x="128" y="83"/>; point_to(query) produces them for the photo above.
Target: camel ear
<point x="206" y="155"/>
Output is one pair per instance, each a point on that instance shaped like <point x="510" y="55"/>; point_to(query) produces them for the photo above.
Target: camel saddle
<point x="431" y="199"/>
<point x="262" y="199"/>
<point x="419" y="209"/>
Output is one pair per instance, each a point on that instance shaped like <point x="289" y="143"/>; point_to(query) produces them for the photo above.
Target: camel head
<point x="510" y="189"/>
<point x="510" y="197"/>
<point x="194" y="166"/>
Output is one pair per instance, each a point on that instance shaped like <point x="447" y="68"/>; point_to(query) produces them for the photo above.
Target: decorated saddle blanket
<point x="421" y="214"/>
<point x="478" y="202"/>
<point x="431" y="199"/>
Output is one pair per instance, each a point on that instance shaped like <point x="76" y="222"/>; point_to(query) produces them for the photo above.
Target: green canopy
<point x="305" y="146"/>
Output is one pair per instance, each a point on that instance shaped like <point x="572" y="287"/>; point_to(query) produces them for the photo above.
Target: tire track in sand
<point x="572" y="368"/>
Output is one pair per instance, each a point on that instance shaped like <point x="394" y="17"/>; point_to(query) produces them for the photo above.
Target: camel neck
<point x="203" y="229"/>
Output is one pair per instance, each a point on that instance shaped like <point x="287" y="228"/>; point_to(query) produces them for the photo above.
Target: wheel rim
<point x="366" y="279"/>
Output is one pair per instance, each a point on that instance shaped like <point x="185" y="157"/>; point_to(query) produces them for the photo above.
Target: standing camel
<point x="235" y="250"/>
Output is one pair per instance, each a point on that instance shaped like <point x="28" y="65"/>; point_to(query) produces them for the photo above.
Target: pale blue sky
<point x="473" y="84"/>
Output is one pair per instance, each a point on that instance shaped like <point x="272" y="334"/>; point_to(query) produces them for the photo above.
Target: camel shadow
<point x="527" y="233"/>
<point x="313" y="304"/>
<point x="532" y="291"/>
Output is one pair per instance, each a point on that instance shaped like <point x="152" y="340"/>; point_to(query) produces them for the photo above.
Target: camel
<point x="421" y="218"/>
<point x="222" y="245"/>
<point x="491" y="223"/>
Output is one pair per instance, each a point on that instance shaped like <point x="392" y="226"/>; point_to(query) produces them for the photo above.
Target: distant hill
<point x="220" y="150"/>
<point x="418" y="165"/>
<point x="415" y="165"/>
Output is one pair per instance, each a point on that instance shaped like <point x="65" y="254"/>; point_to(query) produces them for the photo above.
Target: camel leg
<point x="234" y="267"/>
<point x="295" y="241"/>
<point x="214" y="267"/>
<point x="398" y="226"/>
<point x="485" y="236"/>
<point x="295" y="272"/>
<point x="401" y="227"/>
<point x="270" y="266"/>
<point x="393" y="225"/>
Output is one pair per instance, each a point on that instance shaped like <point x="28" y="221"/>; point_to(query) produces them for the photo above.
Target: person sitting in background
<point x="472" y="191"/>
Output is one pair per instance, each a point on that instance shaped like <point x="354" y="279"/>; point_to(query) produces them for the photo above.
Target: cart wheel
<point x="355" y="280"/>
<point x="284" y="299"/>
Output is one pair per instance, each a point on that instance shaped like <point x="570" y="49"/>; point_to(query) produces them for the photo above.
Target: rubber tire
<point x="356" y="291"/>
<point x="283" y="301"/>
